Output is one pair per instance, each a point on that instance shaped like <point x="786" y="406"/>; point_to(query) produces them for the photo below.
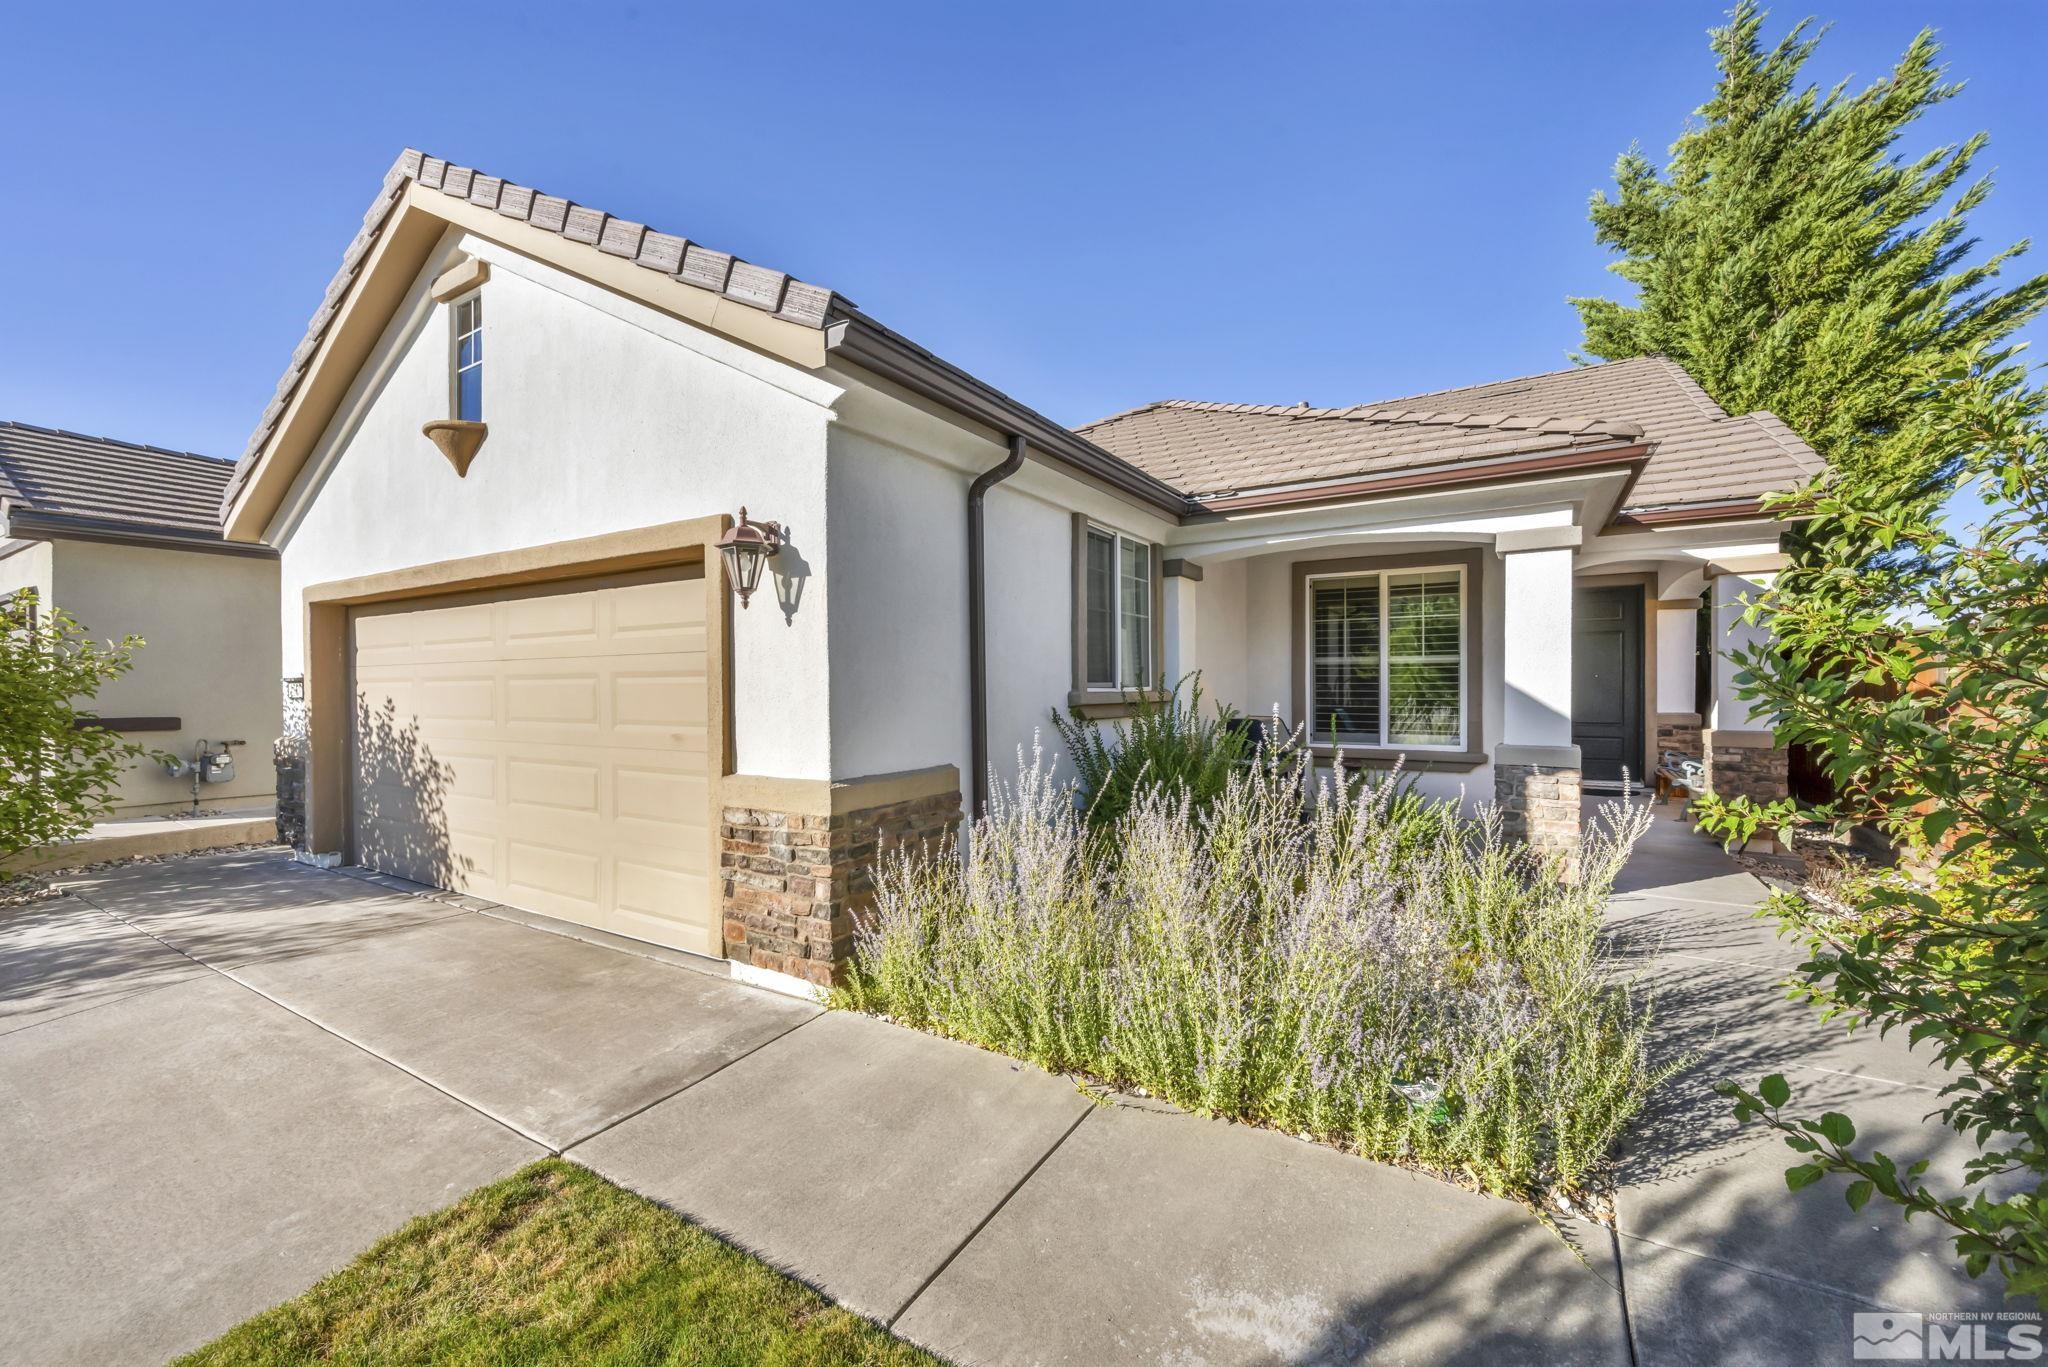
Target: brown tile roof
<point x="692" y="263"/>
<point x="54" y="474"/>
<point x="1699" y="454"/>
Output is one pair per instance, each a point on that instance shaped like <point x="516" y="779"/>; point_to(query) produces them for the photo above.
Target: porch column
<point x="1678" y="711"/>
<point x="1743" y="758"/>
<point x="1536" y="765"/>
<point x="1180" y="585"/>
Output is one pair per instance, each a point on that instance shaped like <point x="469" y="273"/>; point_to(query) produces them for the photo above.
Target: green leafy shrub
<point x="1342" y="960"/>
<point x="56" y="776"/>
<point x="1923" y="685"/>
<point x="1736" y="820"/>
<point x="1166" y="742"/>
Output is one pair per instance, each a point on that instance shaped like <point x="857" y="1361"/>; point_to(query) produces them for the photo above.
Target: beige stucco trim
<point x="459" y="279"/>
<point x="329" y="690"/>
<point x="837" y="797"/>
<point x="417" y="224"/>
<point x="1741" y="740"/>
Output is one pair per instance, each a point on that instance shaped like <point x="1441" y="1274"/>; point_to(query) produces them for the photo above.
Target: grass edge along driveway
<point x="555" y="1264"/>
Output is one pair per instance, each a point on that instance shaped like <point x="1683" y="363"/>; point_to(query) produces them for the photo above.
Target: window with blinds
<point x="1387" y="658"/>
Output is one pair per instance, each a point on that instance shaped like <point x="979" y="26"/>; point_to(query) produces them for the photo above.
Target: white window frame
<point x="455" y="366"/>
<point x="1319" y="736"/>
<point x="1118" y="541"/>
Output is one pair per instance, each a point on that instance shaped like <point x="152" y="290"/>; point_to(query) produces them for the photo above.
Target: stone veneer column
<point x="796" y="861"/>
<point x="1536" y="775"/>
<point x="1678" y="732"/>
<point x="1747" y="764"/>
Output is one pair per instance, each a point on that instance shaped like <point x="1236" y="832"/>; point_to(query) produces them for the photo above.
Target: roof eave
<point x="30" y="524"/>
<point x="1506" y="470"/>
<point x="861" y="341"/>
<point x="1693" y="514"/>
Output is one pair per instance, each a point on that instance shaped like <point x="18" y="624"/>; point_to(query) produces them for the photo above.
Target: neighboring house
<point x="126" y="540"/>
<point x="498" y="467"/>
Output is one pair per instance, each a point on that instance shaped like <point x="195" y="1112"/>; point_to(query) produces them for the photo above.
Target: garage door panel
<point x="553" y="786"/>
<point x="648" y="702"/>
<point x="561" y="875"/>
<point x="561" y="624"/>
<point x="666" y="796"/>
<point x="564" y="698"/>
<point x="546" y="750"/>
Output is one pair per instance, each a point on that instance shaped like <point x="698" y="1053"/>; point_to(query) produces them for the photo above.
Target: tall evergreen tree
<point x="1792" y="261"/>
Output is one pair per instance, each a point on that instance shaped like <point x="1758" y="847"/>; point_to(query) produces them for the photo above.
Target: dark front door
<point x="1607" y="682"/>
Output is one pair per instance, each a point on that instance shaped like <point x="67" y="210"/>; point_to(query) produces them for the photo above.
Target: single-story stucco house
<point x="126" y="540"/>
<point x="498" y="468"/>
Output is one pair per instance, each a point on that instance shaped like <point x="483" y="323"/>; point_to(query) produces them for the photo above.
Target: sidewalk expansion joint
<point x="983" y="1223"/>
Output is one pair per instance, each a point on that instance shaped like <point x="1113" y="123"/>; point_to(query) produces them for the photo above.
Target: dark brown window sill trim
<point x="1412" y="761"/>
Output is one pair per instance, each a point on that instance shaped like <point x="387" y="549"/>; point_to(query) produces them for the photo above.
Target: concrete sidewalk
<point x="1721" y="1262"/>
<point x="237" y="1072"/>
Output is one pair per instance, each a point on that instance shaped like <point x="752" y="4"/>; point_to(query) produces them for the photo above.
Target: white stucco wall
<point x="1220" y="626"/>
<point x="1732" y="594"/>
<point x="210" y="658"/>
<point x="604" y="416"/>
<point x="1536" y="647"/>
<point x="27" y="566"/>
<point x="1677" y="651"/>
<point x="900" y="472"/>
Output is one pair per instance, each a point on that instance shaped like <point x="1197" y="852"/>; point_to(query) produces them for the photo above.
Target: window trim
<point x="1107" y="699"/>
<point x="455" y="336"/>
<point x="1469" y="752"/>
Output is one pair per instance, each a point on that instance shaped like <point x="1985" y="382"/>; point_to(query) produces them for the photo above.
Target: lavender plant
<point x="1340" y="959"/>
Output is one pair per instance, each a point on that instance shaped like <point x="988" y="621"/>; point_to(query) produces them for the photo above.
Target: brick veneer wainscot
<point x="793" y="884"/>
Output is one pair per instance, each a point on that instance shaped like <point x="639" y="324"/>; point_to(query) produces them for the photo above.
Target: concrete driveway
<point x="226" y="1076"/>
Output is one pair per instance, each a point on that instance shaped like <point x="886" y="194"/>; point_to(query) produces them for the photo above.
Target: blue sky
<point x="1089" y="205"/>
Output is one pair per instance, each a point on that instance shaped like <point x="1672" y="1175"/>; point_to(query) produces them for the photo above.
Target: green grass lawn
<point x="555" y="1264"/>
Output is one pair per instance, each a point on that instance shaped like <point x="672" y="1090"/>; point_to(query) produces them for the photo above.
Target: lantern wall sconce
<point x="746" y="547"/>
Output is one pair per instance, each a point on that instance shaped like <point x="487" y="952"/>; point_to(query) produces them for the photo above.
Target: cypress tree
<point x="1792" y="260"/>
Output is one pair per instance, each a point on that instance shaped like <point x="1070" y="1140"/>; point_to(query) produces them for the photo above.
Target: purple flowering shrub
<point x="1343" y="961"/>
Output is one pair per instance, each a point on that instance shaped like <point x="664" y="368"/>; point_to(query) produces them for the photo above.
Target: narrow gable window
<point x="469" y="358"/>
<point x="1116" y="611"/>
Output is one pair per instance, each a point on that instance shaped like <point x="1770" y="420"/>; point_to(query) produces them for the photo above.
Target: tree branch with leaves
<point x="1923" y="687"/>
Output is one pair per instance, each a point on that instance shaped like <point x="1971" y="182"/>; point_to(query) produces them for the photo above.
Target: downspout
<point x="977" y="621"/>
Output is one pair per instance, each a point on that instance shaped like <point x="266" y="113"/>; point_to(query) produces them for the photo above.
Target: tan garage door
<point x="546" y="748"/>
